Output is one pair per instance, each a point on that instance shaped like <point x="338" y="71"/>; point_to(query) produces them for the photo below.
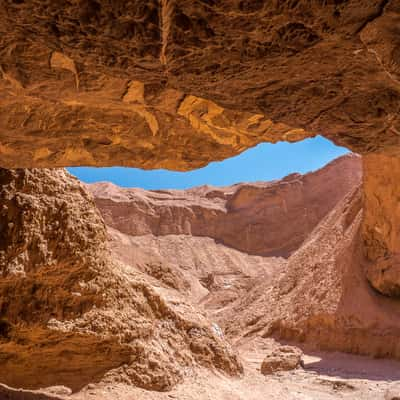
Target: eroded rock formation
<point x="70" y="314"/>
<point x="319" y="296"/>
<point x="323" y="298"/>
<point x="176" y="84"/>
<point x="100" y="83"/>
<point x="381" y="222"/>
<point x="269" y="218"/>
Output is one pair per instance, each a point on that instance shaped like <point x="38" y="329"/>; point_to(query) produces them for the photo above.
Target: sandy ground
<point x="325" y="376"/>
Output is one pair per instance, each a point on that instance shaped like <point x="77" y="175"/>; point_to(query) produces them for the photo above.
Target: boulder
<point x="284" y="358"/>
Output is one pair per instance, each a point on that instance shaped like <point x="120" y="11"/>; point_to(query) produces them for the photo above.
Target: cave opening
<point x="212" y="234"/>
<point x="117" y="290"/>
<point x="264" y="162"/>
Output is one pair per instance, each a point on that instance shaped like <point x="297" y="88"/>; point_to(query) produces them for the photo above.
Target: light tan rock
<point x="283" y="358"/>
<point x="393" y="393"/>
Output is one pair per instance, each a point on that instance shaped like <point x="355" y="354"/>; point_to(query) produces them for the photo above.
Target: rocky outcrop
<point x="381" y="223"/>
<point x="177" y="84"/>
<point x="72" y="315"/>
<point x="270" y="218"/>
<point x="318" y="296"/>
<point x="197" y="267"/>
<point x="323" y="299"/>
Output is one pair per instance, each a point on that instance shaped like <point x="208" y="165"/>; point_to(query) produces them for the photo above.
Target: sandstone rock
<point x="71" y="314"/>
<point x="284" y="358"/>
<point x="270" y="218"/>
<point x="319" y="295"/>
<point x="199" y="81"/>
<point x="322" y="298"/>
<point x="384" y="274"/>
<point x="201" y="269"/>
<point x="381" y="223"/>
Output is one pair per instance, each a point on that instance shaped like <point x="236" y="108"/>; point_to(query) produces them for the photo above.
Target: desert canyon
<point x="288" y="289"/>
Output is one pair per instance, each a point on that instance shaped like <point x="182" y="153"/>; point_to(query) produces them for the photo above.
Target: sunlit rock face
<point x="265" y="218"/>
<point x="323" y="298"/>
<point x="70" y="314"/>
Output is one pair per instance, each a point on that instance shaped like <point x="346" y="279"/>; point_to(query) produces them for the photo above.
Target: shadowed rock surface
<point x="178" y="83"/>
<point x="8" y="393"/>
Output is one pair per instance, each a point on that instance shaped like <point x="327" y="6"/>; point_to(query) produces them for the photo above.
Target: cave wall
<point x="381" y="222"/>
<point x="70" y="314"/>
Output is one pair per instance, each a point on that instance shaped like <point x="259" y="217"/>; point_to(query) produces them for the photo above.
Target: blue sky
<point x="262" y="163"/>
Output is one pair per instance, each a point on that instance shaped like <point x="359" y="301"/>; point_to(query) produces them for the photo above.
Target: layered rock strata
<point x="266" y="218"/>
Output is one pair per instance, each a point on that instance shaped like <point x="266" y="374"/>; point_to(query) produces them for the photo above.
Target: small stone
<point x="393" y="393"/>
<point x="59" y="390"/>
<point x="284" y="358"/>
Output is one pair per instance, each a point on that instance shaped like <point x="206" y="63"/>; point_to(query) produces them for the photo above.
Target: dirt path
<point x="327" y="376"/>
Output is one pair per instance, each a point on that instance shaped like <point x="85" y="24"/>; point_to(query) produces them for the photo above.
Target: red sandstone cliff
<point x="266" y="218"/>
<point x="318" y="295"/>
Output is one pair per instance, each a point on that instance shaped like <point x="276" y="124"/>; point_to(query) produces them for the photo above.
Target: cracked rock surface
<point x="177" y="84"/>
<point x="72" y="315"/>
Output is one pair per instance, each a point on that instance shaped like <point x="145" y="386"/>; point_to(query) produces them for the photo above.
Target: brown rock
<point x="318" y="295"/>
<point x="270" y="218"/>
<point x="284" y="358"/>
<point x="381" y="223"/>
<point x="72" y="315"/>
<point x="322" y="298"/>
<point x="70" y="92"/>
<point x="199" y="81"/>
